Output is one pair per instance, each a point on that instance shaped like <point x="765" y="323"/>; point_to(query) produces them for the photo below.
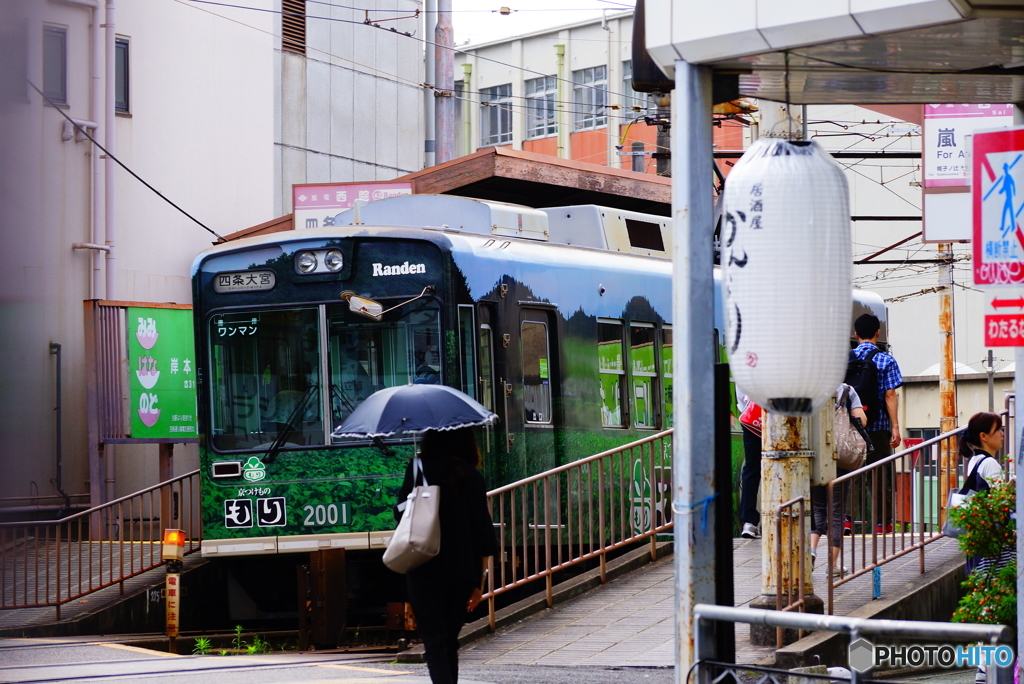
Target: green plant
<point x="989" y="532"/>
<point x="991" y="597"/>
<point x="237" y="641"/>
<point x="201" y="646"/>
<point x="257" y="646"/>
<point x="985" y="519"/>
<point x="222" y="652"/>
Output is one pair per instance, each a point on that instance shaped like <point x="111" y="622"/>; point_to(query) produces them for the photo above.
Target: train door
<point x="490" y="391"/>
<point x="537" y="348"/>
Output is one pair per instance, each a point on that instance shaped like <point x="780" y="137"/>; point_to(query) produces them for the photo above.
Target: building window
<point x="55" y="64"/>
<point x="121" y="74"/>
<point x="540" y="107"/>
<point x="590" y="97"/>
<point x="633" y="102"/>
<point x="496" y="115"/>
<point x="293" y="26"/>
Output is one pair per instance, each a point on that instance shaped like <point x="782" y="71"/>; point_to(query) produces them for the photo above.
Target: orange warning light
<point x="174" y="545"/>
<point x="176" y="537"/>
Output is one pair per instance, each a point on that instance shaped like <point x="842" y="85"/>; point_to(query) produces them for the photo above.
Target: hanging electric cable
<point x="137" y="177"/>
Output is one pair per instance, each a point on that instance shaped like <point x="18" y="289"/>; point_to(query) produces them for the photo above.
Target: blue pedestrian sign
<point x="998" y="207"/>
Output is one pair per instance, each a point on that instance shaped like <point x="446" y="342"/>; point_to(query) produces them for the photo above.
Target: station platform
<point x="629" y="622"/>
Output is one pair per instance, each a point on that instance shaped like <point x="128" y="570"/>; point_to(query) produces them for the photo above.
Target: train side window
<point x="644" y="368"/>
<point x="486" y="368"/>
<point x="466" y="349"/>
<point x="612" y="372"/>
<point x="536" y="373"/>
<point x="666" y="371"/>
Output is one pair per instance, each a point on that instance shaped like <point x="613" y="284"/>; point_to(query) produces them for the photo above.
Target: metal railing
<point x="895" y="506"/>
<point x="580" y="511"/>
<point x="789" y="560"/>
<point x="705" y="615"/>
<point x="51" y="562"/>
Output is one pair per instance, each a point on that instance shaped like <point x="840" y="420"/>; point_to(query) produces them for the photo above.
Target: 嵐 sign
<point x="162" y="375"/>
<point x="947" y="128"/>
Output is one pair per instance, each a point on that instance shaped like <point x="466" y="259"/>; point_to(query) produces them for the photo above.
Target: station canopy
<point x="849" y="52"/>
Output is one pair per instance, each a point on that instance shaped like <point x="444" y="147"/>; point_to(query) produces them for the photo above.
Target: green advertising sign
<point x="162" y="374"/>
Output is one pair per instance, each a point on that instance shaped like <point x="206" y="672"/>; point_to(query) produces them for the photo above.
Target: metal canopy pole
<point x="693" y="446"/>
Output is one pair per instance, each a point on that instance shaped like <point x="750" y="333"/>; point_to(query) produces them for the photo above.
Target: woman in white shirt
<point x="979" y="445"/>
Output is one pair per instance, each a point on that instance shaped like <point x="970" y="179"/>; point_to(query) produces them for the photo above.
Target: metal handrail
<point x="705" y="614"/>
<point x="47" y="563"/>
<point x="790" y="557"/>
<point x="913" y="519"/>
<point x="579" y="511"/>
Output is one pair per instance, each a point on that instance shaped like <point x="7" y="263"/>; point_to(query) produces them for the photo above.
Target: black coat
<point x="467" y="533"/>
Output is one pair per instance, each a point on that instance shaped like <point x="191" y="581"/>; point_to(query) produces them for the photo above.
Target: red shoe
<point x="880" y="530"/>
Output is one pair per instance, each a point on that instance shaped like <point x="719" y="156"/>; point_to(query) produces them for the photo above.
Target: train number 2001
<point x="325" y="514"/>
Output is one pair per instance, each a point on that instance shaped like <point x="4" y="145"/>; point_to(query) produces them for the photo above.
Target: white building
<point x="350" y="104"/>
<point x="208" y="110"/>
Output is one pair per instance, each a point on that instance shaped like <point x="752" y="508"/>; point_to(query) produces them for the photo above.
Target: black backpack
<point x="862" y="375"/>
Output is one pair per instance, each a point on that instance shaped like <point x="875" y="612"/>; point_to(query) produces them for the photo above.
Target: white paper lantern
<point x="786" y="256"/>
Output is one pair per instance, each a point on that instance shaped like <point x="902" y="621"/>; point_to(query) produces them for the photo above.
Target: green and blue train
<point x="558" y="320"/>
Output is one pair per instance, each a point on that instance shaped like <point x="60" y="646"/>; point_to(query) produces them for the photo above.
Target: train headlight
<point x="306" y="262"/>
<point x="333" y="260"/>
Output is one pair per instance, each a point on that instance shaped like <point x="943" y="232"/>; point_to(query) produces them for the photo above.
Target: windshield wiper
<point x="300" y="409"/>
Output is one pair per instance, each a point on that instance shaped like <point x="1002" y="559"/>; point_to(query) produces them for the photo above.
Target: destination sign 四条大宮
<point x="244" y="281"/>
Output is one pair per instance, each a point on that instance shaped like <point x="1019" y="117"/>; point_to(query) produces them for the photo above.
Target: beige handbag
<point x="851" y="446"/>
<point x="418" y="537"/>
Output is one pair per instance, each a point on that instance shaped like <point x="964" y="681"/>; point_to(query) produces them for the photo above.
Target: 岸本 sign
<point x="162" y="374"/>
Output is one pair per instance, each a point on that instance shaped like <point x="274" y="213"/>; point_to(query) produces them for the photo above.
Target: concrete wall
<point x="351" y="109"/>
<point x="920" y="402"/>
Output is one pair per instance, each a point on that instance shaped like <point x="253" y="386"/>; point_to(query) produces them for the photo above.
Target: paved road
<point x="621" y="633"/>
<point x="85" y="661"/>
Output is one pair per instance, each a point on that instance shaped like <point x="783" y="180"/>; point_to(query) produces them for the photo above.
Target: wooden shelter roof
<point x="535" y="180"/>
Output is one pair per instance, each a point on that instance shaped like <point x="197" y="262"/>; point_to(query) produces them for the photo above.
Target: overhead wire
<point x="192" y="3"/>
<point x="415" y="83"/>
<point x="80" y="129"/>
<point x="407" y="35"/>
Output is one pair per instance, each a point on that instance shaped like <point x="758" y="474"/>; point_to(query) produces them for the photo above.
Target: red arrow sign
<point x="1004" y="303"/>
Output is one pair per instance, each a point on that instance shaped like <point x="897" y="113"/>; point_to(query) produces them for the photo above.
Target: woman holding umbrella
<point x="444" y="589"/>
<point x="448" y="586"/>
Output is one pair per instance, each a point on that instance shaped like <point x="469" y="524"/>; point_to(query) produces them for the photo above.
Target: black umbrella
<point x="412" y="409"/>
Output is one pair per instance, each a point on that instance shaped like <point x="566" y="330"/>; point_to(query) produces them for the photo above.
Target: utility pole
<point x="444" y="80"/>
<point x="947" y="378"/>
<point x="663" y="160"/>
<point x="990" y="370"/>
<point x="429" y="76"/>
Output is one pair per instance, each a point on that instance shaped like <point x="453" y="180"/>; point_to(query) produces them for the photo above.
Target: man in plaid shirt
<point x="884" y="430"/>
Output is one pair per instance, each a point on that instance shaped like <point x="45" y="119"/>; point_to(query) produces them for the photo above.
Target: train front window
<point x="265" y="382"/>
<point x="366" y="356"/>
